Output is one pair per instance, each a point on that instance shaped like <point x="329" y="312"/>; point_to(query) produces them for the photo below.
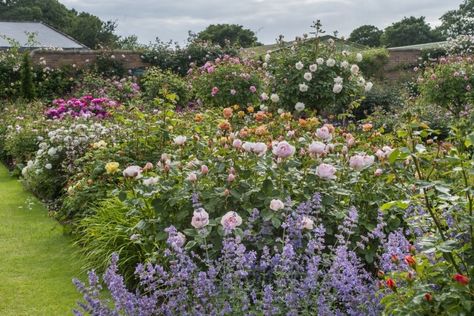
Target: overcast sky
<point x="171" y="19"/>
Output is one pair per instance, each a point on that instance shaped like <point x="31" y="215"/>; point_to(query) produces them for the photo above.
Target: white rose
<point x="299" y="106"/>
<point x="303" y="87"/>
<point x="48" y="166"/>
<point x="345" y="64"/>
<point x="308" y="76"/>
<point x="180" y="140"/>
<point x="267" y="58"/>
<point x="248" y="146"/>
<point x="299" y="65"/>
<point x="237" y="143"/>
<point x="307" y="223"/>
<point x="330" y="62"/>
<point x="359" y="57"/>
<point x="368" y="86"/>
<point x="275" y="98"/>
<point x="320" y="61"/>
<point x="313" y="67"/>
<point x="276" y="205"/>
<point x="337" y="88"/>
<point x="338" y="80"/>
<point x="355" y="70"/>
<point x="133" y="172"/>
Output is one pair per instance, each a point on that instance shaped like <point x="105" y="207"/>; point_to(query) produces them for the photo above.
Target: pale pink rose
<point x="253" y="89"/>
<point x="326" y="171"/>
<point x="307" y="223"/>
<point x="378" y="172"/>
<point x="192" y="177"/>
<point x="276" y="205"/>
<point x="151" y="181"/>
<point x="237" y="143"/>
<point x="344" y="150"/>
<point x="231" y="220"/>
<point x="380" y="154"/>
<point x="283" y="150"/>
<point x="324" y="133"/>
<point x="200" y="219"/>
<point x="179" y="140"/>
<point x="247" y="146"/>
<point x="204" y="169"/>
<point x="233" y="91"/>
<point x="214" y="91"/>
<point x="317" y="148"/>
<point x="133" y="172"/>
<point x="360" y="161"/>
<point x="259" y="148"/>
<point x="230" y="177"/>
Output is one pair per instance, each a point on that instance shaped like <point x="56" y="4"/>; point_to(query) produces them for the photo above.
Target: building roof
<point x="419" y="46"/>
<point x="45" y="36"/>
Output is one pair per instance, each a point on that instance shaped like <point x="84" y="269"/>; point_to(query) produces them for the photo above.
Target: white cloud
<point x="171" y="19"/>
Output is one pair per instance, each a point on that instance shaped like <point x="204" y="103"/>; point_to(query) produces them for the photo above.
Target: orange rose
<point x="224" y="125"/>
<point x="367" y="127"/>
<point x="198" y="117"/>
<point x="227" y="112"/>
<point x="261" y="130"/>
<point x="241" y="114"/>
<point x="250" y="109"/>
<point x="260" y="116"/>
<point x="302" y="122"/>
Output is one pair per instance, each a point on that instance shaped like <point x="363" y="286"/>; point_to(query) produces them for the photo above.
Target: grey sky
<point x="171" y="19"/>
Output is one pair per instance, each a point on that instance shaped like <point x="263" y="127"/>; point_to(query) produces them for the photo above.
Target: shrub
<point x="27" y="87"/>
<point x="382" y="97"/>
<point x="373" y="63"/>
<point x="315" y="76"/>
<point x="157" y="83"/>
<point x="226" y="82"/>
<point x="449" y="84"/>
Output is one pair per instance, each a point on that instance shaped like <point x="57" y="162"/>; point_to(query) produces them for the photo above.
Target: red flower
<point x="428" y="297"/>
<point x="461" y="279"/>
<point x="410" y="261"/>
<point x="391" y="284"/>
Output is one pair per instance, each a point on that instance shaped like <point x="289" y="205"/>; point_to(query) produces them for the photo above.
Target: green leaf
<point x="399" y="204"/>
<point x="190" y="245"/>
<point x="122" y="196"/>
<point x="276" y="222"/>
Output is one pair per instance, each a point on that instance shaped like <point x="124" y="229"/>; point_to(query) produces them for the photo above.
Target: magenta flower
<point x="214" y="91"/>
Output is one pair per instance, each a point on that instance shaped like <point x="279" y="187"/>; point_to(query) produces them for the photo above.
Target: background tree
<point x="233" y="34"/>
<point x="84" y="27"/>
<point x="460" y="21"/>
<point x="367" y="35"/>
<point x="409" y="31"/>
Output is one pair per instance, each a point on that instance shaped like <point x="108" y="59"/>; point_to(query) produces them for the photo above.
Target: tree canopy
<point x="84" y="27"/>
<point x="228" y="34"/>
<point x="410" y="31"/>
<point x="367" y="35"/>
<point x="460" y="21"/>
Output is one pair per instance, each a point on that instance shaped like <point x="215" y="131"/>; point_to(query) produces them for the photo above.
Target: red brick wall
<point x="56" y="59"/>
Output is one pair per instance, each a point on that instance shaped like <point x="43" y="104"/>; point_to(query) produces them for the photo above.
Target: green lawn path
<point x="37" y="261"/>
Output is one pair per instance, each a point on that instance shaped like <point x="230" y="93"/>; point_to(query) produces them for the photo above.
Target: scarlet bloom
<point x="410" y="261"/>
<point x="428" y="297"/>
<point x="391" y="284"/>
<point x="461" y="279"/>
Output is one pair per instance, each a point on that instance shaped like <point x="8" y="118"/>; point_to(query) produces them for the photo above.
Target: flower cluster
<point x="84" y="107"/>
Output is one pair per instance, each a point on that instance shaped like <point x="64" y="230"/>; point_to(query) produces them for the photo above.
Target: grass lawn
<point x="37" y="262"/>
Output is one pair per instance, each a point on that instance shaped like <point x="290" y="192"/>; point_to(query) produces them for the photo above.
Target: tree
<point x="27" y="85"/>
<point x="84" y="27"/>
<point x="367" y="35"/>
<point x="409" y="31"/>
<point x="460" y="21"/>
<point x="228" y="34"/>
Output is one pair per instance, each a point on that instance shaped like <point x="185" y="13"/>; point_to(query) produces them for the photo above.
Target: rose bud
<point x="391" y="284"/>
<point x="395" y="259"/>
<point x="204" y="169"/>
<point x="226" y="192"/>
<point x="428" y="297"/>
<point x="148" y="166"/>
<point x="380" y="274"/>
<point x="410" y="261"/>
<point x="461" y="279"/>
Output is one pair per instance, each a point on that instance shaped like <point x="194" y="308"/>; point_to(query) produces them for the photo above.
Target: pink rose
<point x="253" y="89"/>
<point x="133" y="172"/>
<point x="326" y="171"/>
<point x="192" y="177"/>
<point x="204" y="169"/>
<point x="378" y="172"/>
<point x="200" y="219"/>
<point x="214" y="91"/>
<point x="231" y="220"/>
<point x="360" y="161"/>
<point x="324" y="133"/>
<point x="237" y="143"/>
<point x="283" y="150"/>
<point x="317" y="148"/>
<point x="259" y="148"/>
<point x="276" y="205"/>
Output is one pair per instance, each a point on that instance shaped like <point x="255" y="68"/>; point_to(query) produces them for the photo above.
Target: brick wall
<point x="81" y="59"/>
<point x="400" y="62"/>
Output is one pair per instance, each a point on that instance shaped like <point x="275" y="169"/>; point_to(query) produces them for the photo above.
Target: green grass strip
<point x="37" y="261"/>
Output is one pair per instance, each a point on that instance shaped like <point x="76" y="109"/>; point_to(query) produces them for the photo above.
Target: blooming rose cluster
<point x="84" y="107"/>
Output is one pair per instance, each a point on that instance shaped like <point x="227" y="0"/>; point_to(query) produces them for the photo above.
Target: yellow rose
<point x="112" y="167"/>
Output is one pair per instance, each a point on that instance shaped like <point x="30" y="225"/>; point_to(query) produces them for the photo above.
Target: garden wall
<point x="57" y="59"/>
<point x="400" y="62"/>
